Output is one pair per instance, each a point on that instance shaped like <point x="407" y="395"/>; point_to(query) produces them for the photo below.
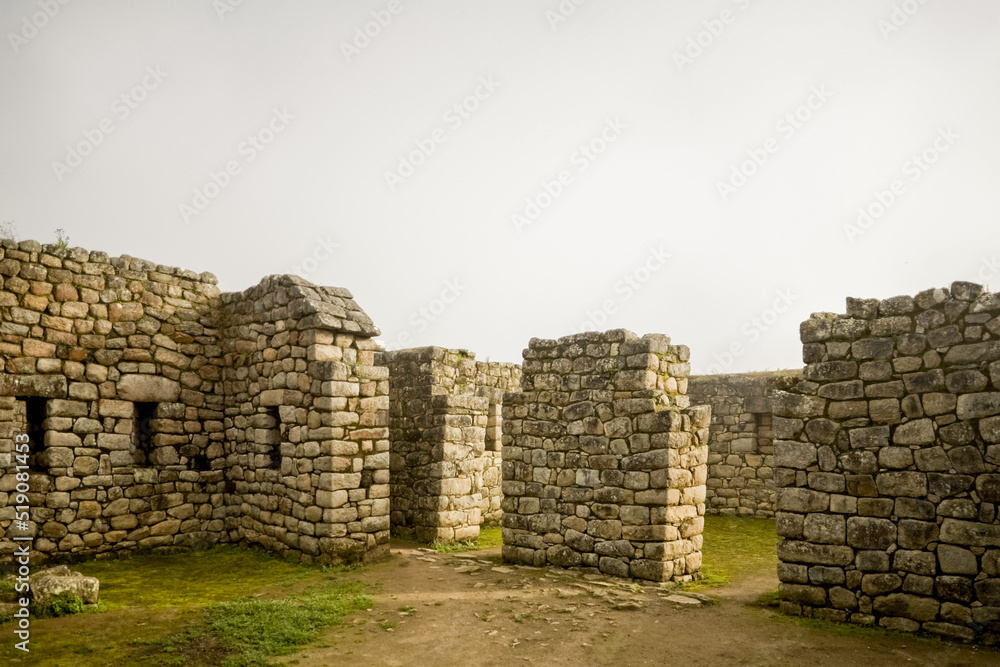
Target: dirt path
<point x="467" y="609"/>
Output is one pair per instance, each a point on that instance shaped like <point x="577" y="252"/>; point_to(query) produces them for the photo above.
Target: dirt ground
<point x="467" y="609"/>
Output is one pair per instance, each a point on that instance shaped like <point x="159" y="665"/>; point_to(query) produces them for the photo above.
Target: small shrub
<point x="61" y="605"/>
<point x="62" y="240"/>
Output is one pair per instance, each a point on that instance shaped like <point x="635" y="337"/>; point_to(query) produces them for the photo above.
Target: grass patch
<point x="155" y="607"/>
<point x="253" y="629"/>
<point x="769" y="599"/>
<point x="193" y="579"/>
<point x="489" y="538"/>
<point x="735" y="547"/>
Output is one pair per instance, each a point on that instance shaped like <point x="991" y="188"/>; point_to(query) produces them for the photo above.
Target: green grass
<point x="253" y="629"/>
<point x="489" y="538"/>
<point x="735" y="547"/>
<point x="188" y="608"/>
<point x="769" y="599"/>
<point x="192" y="579"/>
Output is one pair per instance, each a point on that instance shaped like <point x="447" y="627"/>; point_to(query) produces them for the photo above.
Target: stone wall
<point x="307" y="443"/>
<point x="443" y="423"/>
<point x="86" y="340"/>
<point x="493" y="380"/>
<point x="604" y="462"/>
<point x="888" y="454"/>
<point x="740" y="447"/>
<point x="164" y="413"/>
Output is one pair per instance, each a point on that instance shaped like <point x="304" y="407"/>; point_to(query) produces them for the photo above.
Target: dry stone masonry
<point x="443" y="425"/>
<point x="740" y="448"/>
<point x="164" y="413"/>
<point x="307" y="447"/>
<point x="604" y="462"/>
<point x="888" y="456"/>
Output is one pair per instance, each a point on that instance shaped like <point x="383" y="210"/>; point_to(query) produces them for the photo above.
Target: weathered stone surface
<point x="147" y="388"/>
<point x="802" y="500"/>
<point x="824" y="528"/>
<point x="913" y="484"/>
<point x="869" y="437"/>
<point x="988" y="487"/>
<point x="955" y="560"/>
<point x="970" y="533"/>
<point x="795" y="406"/>
<point x="60" y="580"/>
<point x="870" y="533"/>
<point x="972" y="406"/>
<point x="907" y="606"/>
<point x="46" y="386"/>
<point x="917" y="432"/>
<point x="880" y="584"/>
<point x="791" y="454"/>
<point x="794" y="551"/>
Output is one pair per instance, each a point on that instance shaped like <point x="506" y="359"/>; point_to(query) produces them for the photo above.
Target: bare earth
<point x="467" y="609"/>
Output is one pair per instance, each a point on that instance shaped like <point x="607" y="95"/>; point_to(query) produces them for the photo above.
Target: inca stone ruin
<point x="889" y="465"/>
<point x="165" y="413"/>
<point x="604" y="459"/>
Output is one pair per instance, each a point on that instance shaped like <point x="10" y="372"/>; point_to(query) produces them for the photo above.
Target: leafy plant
<point x="62" y="240"/>
<point x="61" y="605"/>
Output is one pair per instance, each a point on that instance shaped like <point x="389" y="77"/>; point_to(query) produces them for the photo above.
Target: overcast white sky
<point x="116" y="115"/>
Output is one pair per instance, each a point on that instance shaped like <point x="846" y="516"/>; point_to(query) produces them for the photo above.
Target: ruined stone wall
<point x="306" y="422"/>
<point x="604" y="462"/>
<point x="85" y="338"/>
<point x="164" y="413"/>
<point x="740" y="448"/>
<point x="443" y="404"/>
<point x="493" y="380"/>
<point x="888" y="458"/>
